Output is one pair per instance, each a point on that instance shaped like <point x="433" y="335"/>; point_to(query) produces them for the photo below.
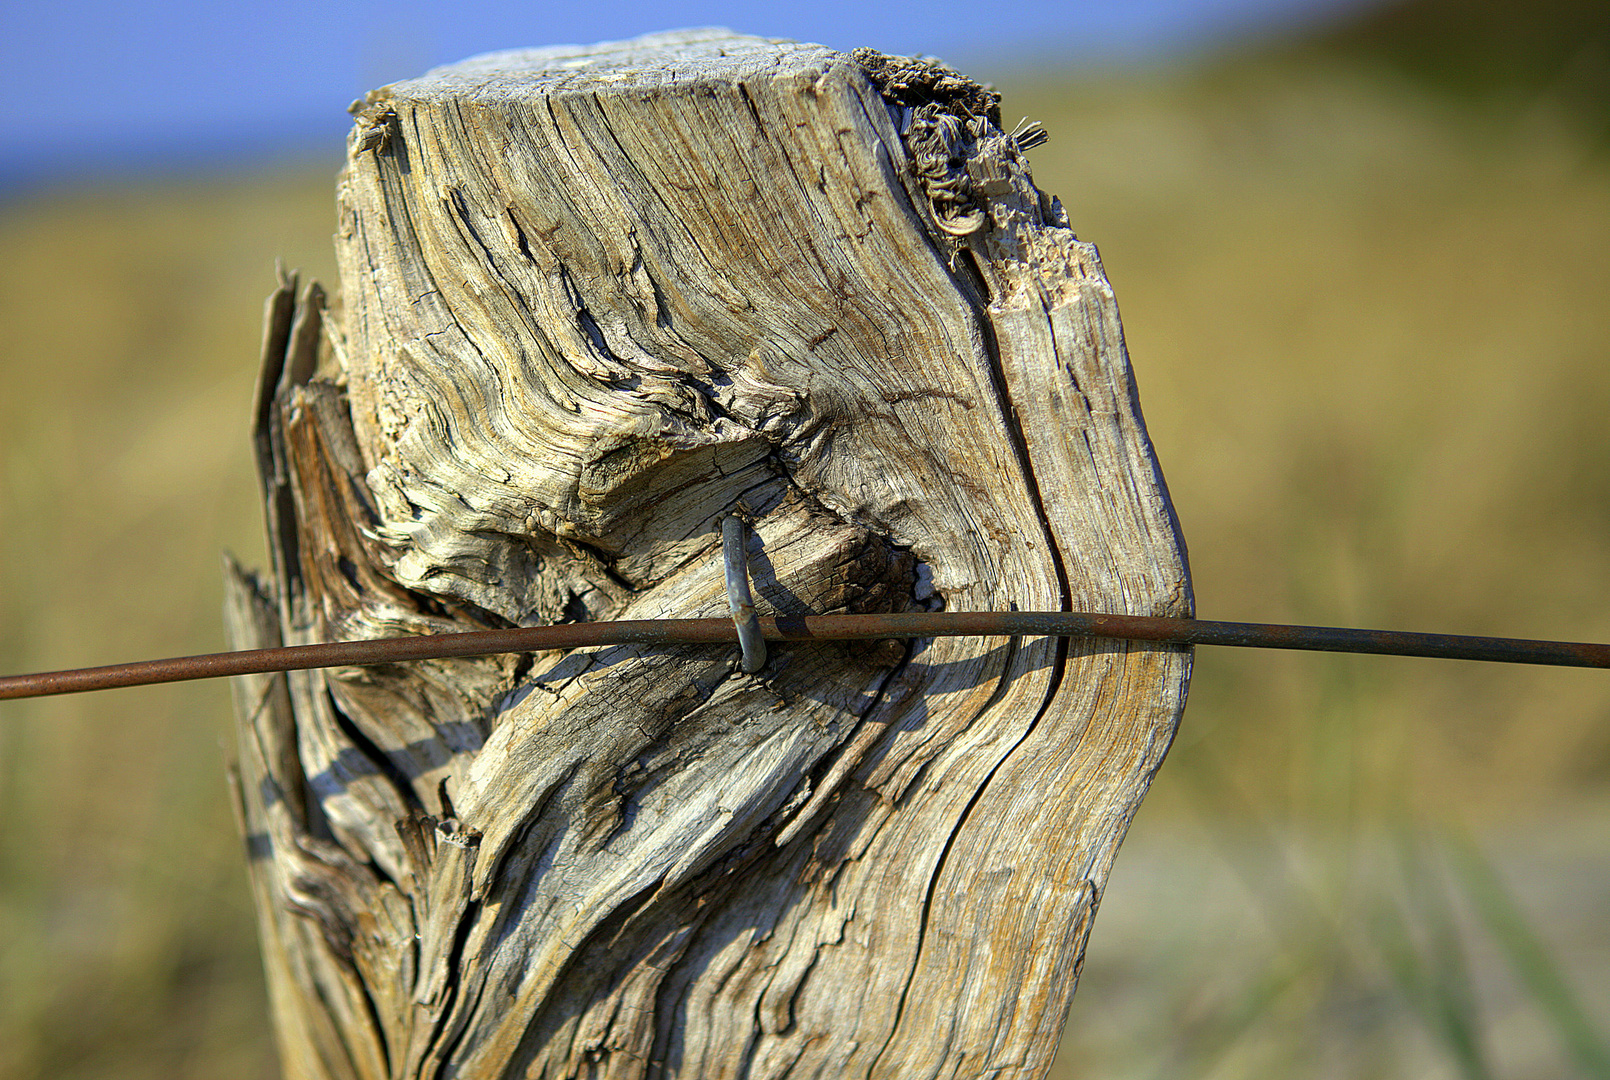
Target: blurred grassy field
<point x="1371" y="328"/>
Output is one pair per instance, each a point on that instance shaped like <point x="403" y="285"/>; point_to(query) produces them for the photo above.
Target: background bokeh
<point x="1364" y="268"/>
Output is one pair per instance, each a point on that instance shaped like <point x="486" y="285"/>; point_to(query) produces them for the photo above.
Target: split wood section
<point x="593" y="300"/>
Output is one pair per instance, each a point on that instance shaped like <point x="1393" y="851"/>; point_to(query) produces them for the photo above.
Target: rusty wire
<point x="809" y="628"/>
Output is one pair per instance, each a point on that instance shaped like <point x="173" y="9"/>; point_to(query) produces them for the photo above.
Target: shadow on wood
<point x="594" y="300"/>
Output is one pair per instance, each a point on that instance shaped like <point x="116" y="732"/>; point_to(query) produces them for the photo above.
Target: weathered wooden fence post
<point x="594" y="300"/>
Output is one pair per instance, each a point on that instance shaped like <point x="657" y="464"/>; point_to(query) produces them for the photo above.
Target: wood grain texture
<point x="594" y="300"/>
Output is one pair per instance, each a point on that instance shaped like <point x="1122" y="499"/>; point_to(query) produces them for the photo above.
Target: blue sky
<point x="90" y="86"/>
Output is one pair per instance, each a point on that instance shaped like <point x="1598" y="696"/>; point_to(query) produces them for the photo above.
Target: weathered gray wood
<point x="595" y="299"/>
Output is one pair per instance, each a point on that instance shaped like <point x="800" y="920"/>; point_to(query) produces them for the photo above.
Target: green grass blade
<point x="1531" y="961"/>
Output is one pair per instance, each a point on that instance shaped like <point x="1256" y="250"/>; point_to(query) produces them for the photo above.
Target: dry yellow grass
<point x="1373" y="343"/>
<point x="1371" y="336"/>
<point x="129" y="323"/>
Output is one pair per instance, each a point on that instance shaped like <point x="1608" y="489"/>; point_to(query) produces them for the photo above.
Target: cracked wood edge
<point x="594" y="300"/>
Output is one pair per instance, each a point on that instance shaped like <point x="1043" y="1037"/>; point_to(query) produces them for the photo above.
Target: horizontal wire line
<point x="808" y="628"/>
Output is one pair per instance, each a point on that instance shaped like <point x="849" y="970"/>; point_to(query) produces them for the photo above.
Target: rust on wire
<point x="809" y="628"/>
